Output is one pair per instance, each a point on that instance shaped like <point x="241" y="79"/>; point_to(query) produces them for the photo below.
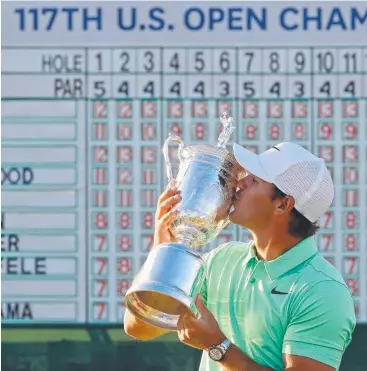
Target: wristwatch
<point x="217" y="352"/>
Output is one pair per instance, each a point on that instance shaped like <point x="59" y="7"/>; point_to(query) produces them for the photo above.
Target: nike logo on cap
<point x="274" y="291"/>
<point x="276" y="148"/>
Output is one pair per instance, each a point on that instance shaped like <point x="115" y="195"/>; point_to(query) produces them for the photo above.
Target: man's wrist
<point x="218" y="350"/>
<point x="214" y="340"/>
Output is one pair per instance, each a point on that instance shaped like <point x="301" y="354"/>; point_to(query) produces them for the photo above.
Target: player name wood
<point x="16" y="175"/>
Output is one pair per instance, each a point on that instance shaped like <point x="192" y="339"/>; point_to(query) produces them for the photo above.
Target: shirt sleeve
<point x="321" y="323"/>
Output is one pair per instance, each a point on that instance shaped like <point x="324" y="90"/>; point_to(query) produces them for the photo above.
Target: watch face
<point x="215" y="354"/>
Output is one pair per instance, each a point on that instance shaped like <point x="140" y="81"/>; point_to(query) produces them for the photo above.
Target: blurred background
<point x="90" y="91"/>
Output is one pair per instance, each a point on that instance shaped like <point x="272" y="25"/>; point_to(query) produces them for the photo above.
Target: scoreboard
<point x="90" y="91"/>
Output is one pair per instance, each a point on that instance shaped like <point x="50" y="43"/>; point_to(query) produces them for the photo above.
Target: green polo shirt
<point x="296" y="304"/>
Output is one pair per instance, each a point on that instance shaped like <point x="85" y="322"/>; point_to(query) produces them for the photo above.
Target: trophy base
<point x="160" y="306"/>
<point x="166" y="286"/>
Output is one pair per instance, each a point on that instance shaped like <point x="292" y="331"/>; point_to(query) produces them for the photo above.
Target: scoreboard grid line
<point x="88" y="181"/>
<point x="239" y="118"/>
<point x="185" y="47"/>
<point x="137" y="73"/>
<point x="312" y="99"/>
<point x="363" y="201"/>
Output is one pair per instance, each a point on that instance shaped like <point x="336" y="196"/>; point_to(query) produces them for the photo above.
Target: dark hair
<point x="299" y="226"/>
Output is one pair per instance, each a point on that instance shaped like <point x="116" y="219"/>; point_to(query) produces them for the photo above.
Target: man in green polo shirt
<point x="274" y="303"/>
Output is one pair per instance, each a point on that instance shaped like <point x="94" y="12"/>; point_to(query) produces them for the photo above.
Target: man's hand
<point x="204" y="332"/>
<point x="165" y="214"/>
<point x="200" y="333"/>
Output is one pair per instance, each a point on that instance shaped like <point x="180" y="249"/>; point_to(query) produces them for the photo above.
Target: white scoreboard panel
<point x="90" y="91"/>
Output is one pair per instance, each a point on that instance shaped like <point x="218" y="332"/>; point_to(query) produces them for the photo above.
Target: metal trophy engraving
<point x="173" y="273"/>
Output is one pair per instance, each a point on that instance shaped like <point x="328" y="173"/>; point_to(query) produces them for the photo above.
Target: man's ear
<point x="284" y="205"/>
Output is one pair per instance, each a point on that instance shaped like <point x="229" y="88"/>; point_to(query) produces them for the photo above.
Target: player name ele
<point x="16" y="311"/>
<point x="23" y="266"/>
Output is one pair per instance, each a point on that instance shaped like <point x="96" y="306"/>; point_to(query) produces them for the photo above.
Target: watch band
<point x="225" y="345"/>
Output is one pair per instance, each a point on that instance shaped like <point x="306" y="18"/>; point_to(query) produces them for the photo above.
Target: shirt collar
<point x="251" y="254"/>
<point x="289" y="260"/>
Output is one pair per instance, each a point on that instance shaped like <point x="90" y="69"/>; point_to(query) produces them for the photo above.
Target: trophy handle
<point x="166" y="156"/>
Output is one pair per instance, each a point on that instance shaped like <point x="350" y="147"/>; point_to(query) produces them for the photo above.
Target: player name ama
<point x="16" y="311"/>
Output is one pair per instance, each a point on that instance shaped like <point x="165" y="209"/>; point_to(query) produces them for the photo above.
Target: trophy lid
<point x="228" y="129"/>
<point x="216" y="155"/>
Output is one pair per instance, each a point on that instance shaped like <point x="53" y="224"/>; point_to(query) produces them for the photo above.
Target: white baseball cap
<point x="296" y="172"/>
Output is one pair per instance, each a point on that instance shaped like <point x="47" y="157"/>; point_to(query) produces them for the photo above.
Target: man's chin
<point x="233" y="217"/>
<point x="236" y="219"/>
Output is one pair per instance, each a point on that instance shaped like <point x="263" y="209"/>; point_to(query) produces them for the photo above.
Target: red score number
<point x="327" y="153"/>
<point x="327" y="220"/>
<point x="352" y="283"/>
<point x="124" y="242"/>
<point x="350" y="175"/>
<point x="325" y="242"/>
<point x="124" y="265"/>
<point x="325" y="131"/>
<point x="147" y="242"/>
<point x="175" y="129"/>
<point x="100" y="242"/>
<point x="100" y="311"/>
<point x="100" y="266"/>
<point x="350" y="265"/>
<point x="199" y="131"/>
<point x="100" y="221"/>
<point x="124" y="220"/>
<point x="124" y="132"/>
<point x="350" y="154"/>
<point x="350" y="131"/>
<point x="148" y="220"/>
<point x="299" y="131"/>
<point x="148" y="132"/>
<point x="274" y="131"/>
<point x="250" y="132"/>
<point x="350" y="242"/>
<point x="100" y="287"/>
<point x="350" y="219"/>
<point x="122" y="286"/>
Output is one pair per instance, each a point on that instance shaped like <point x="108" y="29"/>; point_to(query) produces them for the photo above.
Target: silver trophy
<point x="173" y="273"/>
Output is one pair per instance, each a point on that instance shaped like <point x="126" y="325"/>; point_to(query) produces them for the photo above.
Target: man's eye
<point x="254" y="180"/>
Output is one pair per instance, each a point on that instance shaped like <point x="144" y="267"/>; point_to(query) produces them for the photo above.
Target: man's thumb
<point x="200" y="305"/>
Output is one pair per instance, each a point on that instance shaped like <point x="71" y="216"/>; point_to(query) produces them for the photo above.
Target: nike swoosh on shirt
<point x="274" y="291"/>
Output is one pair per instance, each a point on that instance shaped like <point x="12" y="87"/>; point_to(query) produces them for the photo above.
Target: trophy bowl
<point x="173" y="274"/>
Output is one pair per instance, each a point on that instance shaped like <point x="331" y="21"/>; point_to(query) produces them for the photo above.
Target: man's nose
<point x="243" y="183"/>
